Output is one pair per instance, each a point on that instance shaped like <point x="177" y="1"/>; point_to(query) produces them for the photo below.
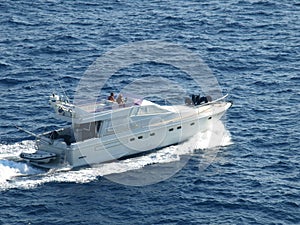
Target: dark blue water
<point x="253" y="49"/>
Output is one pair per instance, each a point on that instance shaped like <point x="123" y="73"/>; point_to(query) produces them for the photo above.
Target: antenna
<point x="63" y="91"/>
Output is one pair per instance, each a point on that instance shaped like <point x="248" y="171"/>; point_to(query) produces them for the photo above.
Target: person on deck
<point x="120" y="99"/>
<point x="111" y="97"/>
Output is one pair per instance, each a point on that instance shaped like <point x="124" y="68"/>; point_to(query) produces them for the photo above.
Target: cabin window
<point x="86" y="131"/>
<point x="98" y="124"/>
<point x="178" y="128"/>
<point x="192" y="124"/>
<point x="131" y="139"/>
<point x="140" y="137"/>
<point x="150" y="109"/>
<point x="152" y="134"/>
<point x="171" y="129"/>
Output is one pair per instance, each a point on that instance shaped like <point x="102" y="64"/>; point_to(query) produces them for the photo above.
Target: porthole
<point x="210" y="118"/>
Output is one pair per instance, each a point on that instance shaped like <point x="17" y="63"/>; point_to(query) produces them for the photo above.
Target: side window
<point x="85" y="131"/>
<point x="98" y="125"/>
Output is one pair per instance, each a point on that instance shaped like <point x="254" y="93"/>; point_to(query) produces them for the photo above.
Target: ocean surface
<point x="250" y="176"/>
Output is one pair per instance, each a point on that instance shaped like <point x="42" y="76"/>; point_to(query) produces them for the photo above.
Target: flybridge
<point x="67" y="111"/>
<point x="85" y="112"/>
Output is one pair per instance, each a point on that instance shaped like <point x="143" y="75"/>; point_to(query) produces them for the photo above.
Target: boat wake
<point x="18" y="174"/>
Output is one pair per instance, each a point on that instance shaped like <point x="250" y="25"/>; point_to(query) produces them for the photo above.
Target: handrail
<point x="214" y="101"/>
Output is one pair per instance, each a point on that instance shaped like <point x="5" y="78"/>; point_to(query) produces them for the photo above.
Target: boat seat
<point x="188" y="101"/>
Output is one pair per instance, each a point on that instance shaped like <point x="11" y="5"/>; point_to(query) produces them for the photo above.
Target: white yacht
<point x="106" y="130"/>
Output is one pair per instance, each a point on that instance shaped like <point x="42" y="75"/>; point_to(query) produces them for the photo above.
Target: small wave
<point x="10" y="81"/>
<point x="52" y="50"/>
<point x="265" y="83"/>
<point x="296" y="78"/>
<point x="21" y="21"/>
<point x="264" y="4"/>
<point x="66" y="37"/>
<point x="4" y="65"/>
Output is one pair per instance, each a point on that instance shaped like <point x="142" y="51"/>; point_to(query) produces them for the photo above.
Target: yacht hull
<point x="169" y="130"/>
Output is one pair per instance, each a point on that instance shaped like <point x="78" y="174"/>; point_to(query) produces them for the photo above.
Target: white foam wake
<point x="10" y="168"/>
<point x="21" y="175"/>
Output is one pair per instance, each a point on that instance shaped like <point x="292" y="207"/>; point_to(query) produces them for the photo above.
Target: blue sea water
<point x="252" y="48"/>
